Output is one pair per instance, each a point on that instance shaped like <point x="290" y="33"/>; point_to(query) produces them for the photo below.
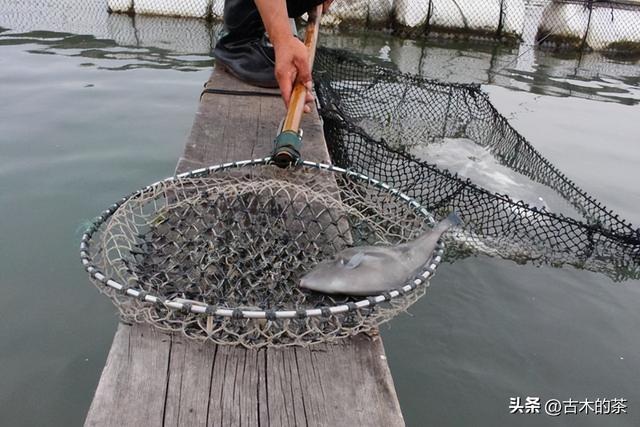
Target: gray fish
<point x="370" y="270"/>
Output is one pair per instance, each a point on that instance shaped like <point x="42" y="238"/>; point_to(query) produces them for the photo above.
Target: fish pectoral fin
<point x="355" y="260"/>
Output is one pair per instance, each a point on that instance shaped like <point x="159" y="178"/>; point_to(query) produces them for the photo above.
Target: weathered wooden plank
<point x="137" y="363"/>
<point x="284" y="392"/>
<point x="348" y="383"/>
<point x="239" y="388"/>
<point x="189" y="369"/>
<point x="233" y="127"/>
<point x="155" y="379"/>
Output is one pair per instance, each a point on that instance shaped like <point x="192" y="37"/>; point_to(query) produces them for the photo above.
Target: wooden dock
<point x="155" y="379"/>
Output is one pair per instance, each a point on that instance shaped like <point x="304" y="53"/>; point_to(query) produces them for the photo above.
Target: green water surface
<point x="87" y="117"/>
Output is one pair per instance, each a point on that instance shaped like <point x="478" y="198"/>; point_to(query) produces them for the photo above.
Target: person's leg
<point x="297" y="8"/>
<point x="243" y="50"/>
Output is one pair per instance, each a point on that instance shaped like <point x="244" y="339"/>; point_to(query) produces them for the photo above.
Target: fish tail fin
<point x="454" y="219"/>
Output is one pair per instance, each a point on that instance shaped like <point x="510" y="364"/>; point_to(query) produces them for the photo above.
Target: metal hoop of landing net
<point x="217" y="253"/>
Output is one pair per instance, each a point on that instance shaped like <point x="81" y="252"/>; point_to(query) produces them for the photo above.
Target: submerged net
<point x="373" y="116"/>
<point x="218" y="254"/>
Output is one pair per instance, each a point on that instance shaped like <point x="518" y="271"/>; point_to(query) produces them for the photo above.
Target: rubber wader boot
<point x="244" y="49"/>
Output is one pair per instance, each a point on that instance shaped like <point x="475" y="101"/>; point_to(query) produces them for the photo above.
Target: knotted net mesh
<point x="218" y="255"/>
<point x="374" y="116"/>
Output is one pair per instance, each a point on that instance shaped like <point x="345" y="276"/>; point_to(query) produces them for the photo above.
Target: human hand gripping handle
<point x="294" y="60"/>
<point x="292" y="63"/>
<point x="292" y="66"/>
<point x="287" y="144"/>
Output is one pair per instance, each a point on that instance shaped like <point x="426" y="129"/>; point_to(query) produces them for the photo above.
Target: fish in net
<point x="217" y="254"/>
<point x="373" y="116"/>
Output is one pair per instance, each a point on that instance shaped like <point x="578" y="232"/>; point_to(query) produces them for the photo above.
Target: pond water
<point x="95" y="107"/>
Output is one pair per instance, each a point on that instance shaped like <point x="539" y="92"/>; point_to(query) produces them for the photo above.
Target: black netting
<point x="183" y="8"/>
<point x="372" y="115"/>
<point x="591" y="25"/>
<point x="575" y="24"/>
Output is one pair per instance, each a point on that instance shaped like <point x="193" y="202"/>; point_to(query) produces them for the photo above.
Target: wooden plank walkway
<point x="155" y="379"/>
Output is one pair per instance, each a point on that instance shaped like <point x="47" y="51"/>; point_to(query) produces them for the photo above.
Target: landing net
<point x="217" y="254"/>
<point x="373" y="116"/>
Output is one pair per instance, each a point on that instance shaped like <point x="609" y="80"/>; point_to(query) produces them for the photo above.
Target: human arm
<point x="292" y="56"/>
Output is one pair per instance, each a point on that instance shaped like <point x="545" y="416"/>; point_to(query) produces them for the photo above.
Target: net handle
<point x="299" y="94"/>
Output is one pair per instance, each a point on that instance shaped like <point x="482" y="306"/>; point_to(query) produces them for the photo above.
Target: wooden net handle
<point x="296" y="103"/>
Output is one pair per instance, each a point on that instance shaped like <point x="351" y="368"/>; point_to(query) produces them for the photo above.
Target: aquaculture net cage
<point x="217" y="253"/>
<point x="609" y="26"/>
<point x="371" y="114"/>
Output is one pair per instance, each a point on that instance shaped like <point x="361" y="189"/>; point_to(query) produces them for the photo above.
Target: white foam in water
<point x="186" y="8"/>
<point x="120" y="5"/>
<point x="472" y="161"/>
